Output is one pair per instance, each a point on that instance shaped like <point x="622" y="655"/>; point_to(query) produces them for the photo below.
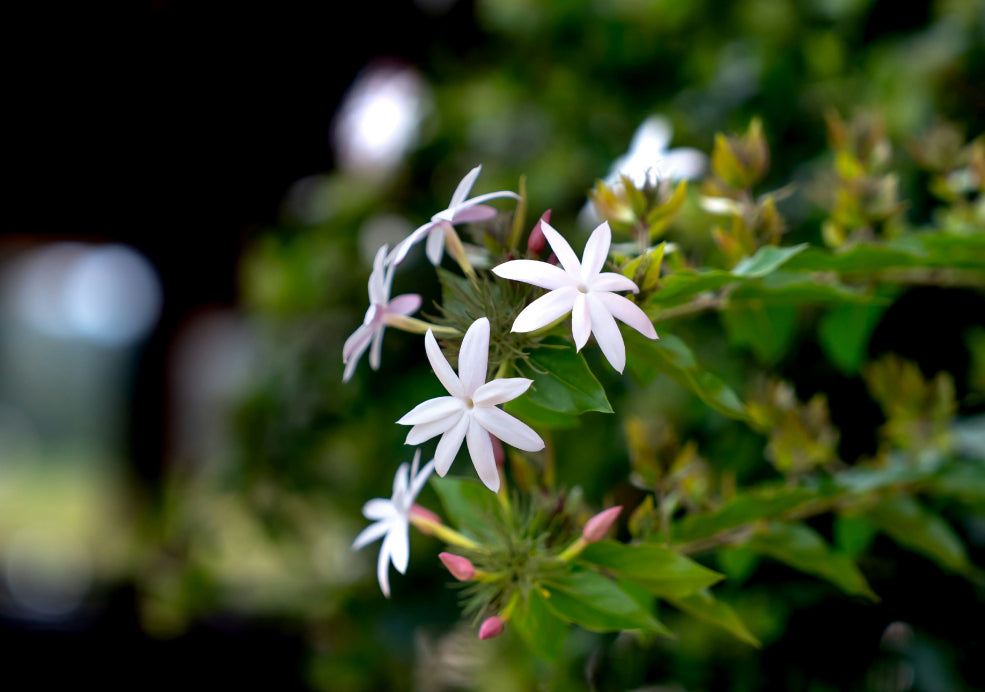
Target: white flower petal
<point x="607" y="333"/>
<point x="441" y="368"/>
<point x="478" y="212"/>
<point x="473" y="356"/>
<point x="683" y="162"/>
<point x="383" y="568"/>
<point x="565" y="255"/>
<point x="456" y="209"/>
<point x="483" y="458"/>
<point x="581" y="321"/>
<point x="358" y="341"/>
<point x="465" y="186"/>
<point x="378" y="508"/>
<point x="435" y="246"/>
<point x="432" y="410"/>
<point x="378" y="293"/>
<point x="510" y="430"/>
<point x="425" y="431"/>
<point x="399" y="541"/>
<point x="370" y="533"/>
<point x="401" y="481"/>
<point x="596" y="252"/>
<point x="406" y="304"/>
<point x="536" y="273"/>
<point x="500" y="391"/>
<point x="376" y="348"/>
<point x="449" y="444"/>
<point x="610" y="281"/>
<point x="629" y="312"/>
<point x="419" y="480"/>
<point x="546" y="309"/>
<point x="400" y="251"/>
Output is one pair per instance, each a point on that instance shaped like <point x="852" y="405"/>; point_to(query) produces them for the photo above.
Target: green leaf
<point x="794" y="288"/>
<point x="670" y="356"/>
<point x="760" y="503"/>
<point x="766" y="260"/>
<point x="862" y="258"/>
<point x="662" y="571"/>
<point x="704" y="606"/>
<point x="801" y="547"/>
<point x="541" y="630"/>
<point x="562" y="380"/>
<point x="471" y="506"/>
<point x="597" y="603"/>
<point x="844" y="334"/>
<point x="767" y="330"/>
<point x="646" y="601"/>
<point x="853" y="534"/>
<point x="913" y="526"/>
<point x="536" y="415"/>
<point x="964" y="481"/>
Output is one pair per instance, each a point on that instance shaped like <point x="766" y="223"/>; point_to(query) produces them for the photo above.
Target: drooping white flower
<point x="460" y="210"/>
<point x="381" y="308"/>
<point x="391" y="520"/>
<point x="582" y="289"/>
<point x="470" y="412"/>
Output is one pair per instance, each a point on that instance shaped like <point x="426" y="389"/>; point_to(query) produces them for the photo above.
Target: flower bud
<point x="460" y="567"/>
<point x="491" y="627"/>
<point x="599" y="525"/>
<point x="537" y="240"/>
<point x="499" y="454"/>
<point x="427" y="514"/>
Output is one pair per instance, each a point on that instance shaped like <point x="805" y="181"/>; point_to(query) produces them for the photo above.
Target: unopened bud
<point x="426" y="514"/>
<point x="537" y="240"/>
<point x="499" y="454"/>
<point x="460" y="567"/>
<point x="491" y="627"/>
<point x="599" y="525"/>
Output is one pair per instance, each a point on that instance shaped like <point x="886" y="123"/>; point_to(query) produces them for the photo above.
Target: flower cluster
<point x="471" y="412"/>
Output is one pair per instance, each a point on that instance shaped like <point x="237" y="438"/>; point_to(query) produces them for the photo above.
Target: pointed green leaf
<point x="562" y="379"/>
<point x="801" y="547"/>
<point x="597" y="603"/>
<point x="766" y="502"/>
<point x="844" y="334"/>
<point x="470" y="506"/>
<point x="670" y="356"/>
<point x="541" y="630"/>
<point x="704" y="606"/>
<point x="767" y="259"/>
<point x="662" y="571"/>
<point x="767" y="330"/>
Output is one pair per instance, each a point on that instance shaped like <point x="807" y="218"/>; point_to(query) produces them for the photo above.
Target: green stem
<point x="416" y="326"/>
<point x="442" y="532"/>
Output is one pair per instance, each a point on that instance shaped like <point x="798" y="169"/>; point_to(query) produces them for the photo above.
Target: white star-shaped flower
<point x="582" y="289"/>
<point x="470" y="412"/>
<point x="460" y="210"/>
<point x="648" y="154"/>
<point x="391" y="520"/>
<point x="377" y="316"/>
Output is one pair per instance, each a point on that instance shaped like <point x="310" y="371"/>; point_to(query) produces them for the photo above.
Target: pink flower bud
<point x="491" y="627"/>
<point x="460" y="567"/>
<point x="537" y="241"/>
<point x="424" y="513"/>
<point x="599" y="525"/>
<point x="499" y="454"/>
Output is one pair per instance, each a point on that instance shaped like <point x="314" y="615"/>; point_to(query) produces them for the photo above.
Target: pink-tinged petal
<point x="350" y="368"/>
<point x="500" y="391"/>
<point x="378" y="508"/>
<point x="629" y="312"/>
<point x="383" y="568"/>
<point x="536" y="241"/>
<point x="536" y="273"/>
<point x="376" y="348"/>
<point x="565" y="255"/>
<point x="478" y="212"/>
<point x="424" y="513"/>
<point x="581" y="321"/>
<point x="483" y="458"/>
<point x="357" y="341"/>
<point x="399" y="546"/>
<point x="370" y="533"/>
<point x="378" y="290"/>
<point x="405" y="304"/>
<point x="435" y="246"/>
<point x="596" y="252"/>
<point x="419" y="480"/>
<point x="473" y="356"/>
<point x="599" y="525"/>
<point x="510" y="430"/>
<point x="465" y="186"/>
<point x="491" y="627"/>
<point x="610" y="281"/>
<point x="449" y="444"/>
<point x="404" y="246"/>
<point x="425" y="431"/>
<point x="546" y="309"/>
<point x="431" y="410"/>
<point x="442" y="369"/>
<point x="607" y="333"/>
